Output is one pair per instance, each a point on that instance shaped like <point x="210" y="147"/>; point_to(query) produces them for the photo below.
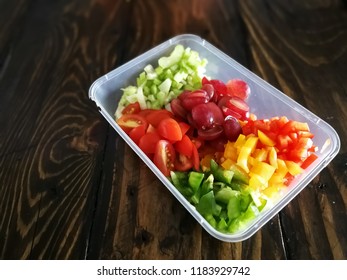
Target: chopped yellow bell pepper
<point x="230" y="151"/>
<point x="258" y="182"/>
<point x="263" y="169"/>
<point x="265" y="140"/>
<point x="240" y="141"/>
<point x="228" y="164"/>
<point x="293" y="168"/>
<point x="260" y="154"/>
<point x="273" y="157"/>
<point x="251" y="142"/>
<point x="242" y="159"/>
<point x="281" y="167"/>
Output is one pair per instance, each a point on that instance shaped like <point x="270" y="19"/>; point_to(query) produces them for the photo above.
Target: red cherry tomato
<point x="196" y="159"/>
<point x="132" y="108"/>
<point x="169" y="129"/>
<point x="184" y="127"/>
<point x="164" y="157"/>
<point x="137" y="132"/>
<point x="185" y="146"/>
<point x="129" y="121"/>
<point x="148" y="142"/>
<point x="183" y="163"/>
<point x="156" y="116"/>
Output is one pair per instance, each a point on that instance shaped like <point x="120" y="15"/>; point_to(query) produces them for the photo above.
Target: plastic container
<point x="265" y="101"/>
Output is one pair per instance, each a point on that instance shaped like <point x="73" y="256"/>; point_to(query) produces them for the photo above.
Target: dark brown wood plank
<point x="52" y="151"/>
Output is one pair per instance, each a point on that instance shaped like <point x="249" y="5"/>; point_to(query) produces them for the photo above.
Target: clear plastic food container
<point x="265" y="101"/>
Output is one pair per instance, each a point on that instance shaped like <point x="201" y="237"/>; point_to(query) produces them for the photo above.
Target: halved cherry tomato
<point x="184" y="127"/>
<point x="197" y="142"/>
<point x="156" y="116"/>
<point x="185" y="146"/>
<point x="195" y="159"/>
<point x="183" y="163"/>
<point x="150" y="128"/>
<point x="147" y="142"/>
<point x="132" y="108"/>
<point x="144" y="113"/>
<point x="129" y="121"/>
<point x="169" y="129"/>
<point x="137" y="132"/>
<point x="164" y="157"/>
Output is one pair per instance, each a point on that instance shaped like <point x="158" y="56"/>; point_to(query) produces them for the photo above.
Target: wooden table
<point x="71" y="188"/>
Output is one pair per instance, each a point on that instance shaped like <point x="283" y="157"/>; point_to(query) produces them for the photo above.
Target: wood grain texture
<point x="72" y="189"/>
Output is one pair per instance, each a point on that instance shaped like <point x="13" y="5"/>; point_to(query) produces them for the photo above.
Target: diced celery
<point x="141" y="98"/>
<point x="161" y="97"/>
<point x="146" y="90"/>
<point x="159" y="70"/>
<point x="165" y="86"/>
<point x="151" y="74"/>
<point x="174" y="57"/>
<point x="131" y="98"/>
<point x="141" y="80"/>
<point x="179" y="76"/>
<point x="154" y="89"/>
<point x="182" y="69"/>
<point x="157" y="82"/>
